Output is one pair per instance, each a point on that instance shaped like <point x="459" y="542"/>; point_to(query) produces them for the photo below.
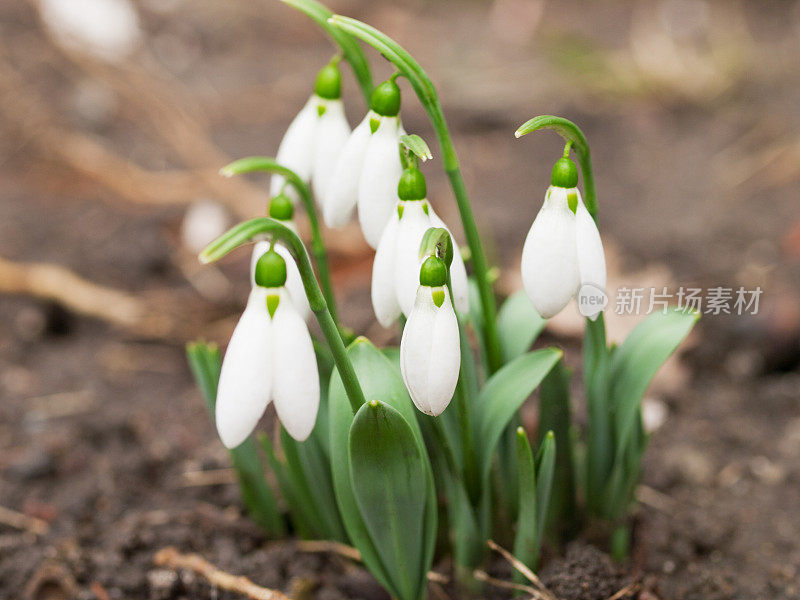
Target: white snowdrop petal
<point x="332" y="134"/>
<point x="591" y="258"/>
<point x="295" y="377"/>
<point x="341" y="195"/>
<point x="294" y="283"/>
<point x="245" y="381"/>
<point x="458" y="272"/>
<point x="445" y="359"/>
<point x="549" y="257"/>
<point x="415" y="349"/>
<point x="108" y="29"/>
<point x="380" y="174"/>
<point x="204" y="221"/>
<point x="384" y="298"/>
<point x="296" y="150"/>
<point x="411" y="229"/>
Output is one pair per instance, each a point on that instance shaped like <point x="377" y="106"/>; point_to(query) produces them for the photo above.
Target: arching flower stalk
<point x="315" y="138"/>
<point x="563" y="251"/>
<point x="368" y="168"/>
<point x="430" y="353"/>
<point x="281" y="209"/>
<point x="395" y="272"/>
<point x="270" y="357"/>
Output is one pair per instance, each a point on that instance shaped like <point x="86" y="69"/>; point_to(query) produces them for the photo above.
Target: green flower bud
<point x="433" y="272"/>
<point x="386" y="99"/>
<point x="329" y="82"/>
<point x="412" y="185"/>
<point x="281" y="208"/>
<point x="565" y="173"/>
<point x="270" y="270"/>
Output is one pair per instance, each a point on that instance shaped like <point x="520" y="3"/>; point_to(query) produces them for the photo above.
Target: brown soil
<point x="99" y="425"/>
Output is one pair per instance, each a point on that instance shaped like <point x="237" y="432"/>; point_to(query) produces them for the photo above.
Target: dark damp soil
<point x="102" y="433"/>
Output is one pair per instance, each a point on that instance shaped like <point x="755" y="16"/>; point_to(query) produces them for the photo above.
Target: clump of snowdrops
<point x="415" y="452"/>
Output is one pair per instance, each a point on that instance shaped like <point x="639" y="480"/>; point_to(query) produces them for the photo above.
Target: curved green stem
<point x="264" y="163"/>
<point x="350" y="49"/>
<point x="246" y="232"/>
<point x="571" y="133"/>
<point x="426" y="92"/>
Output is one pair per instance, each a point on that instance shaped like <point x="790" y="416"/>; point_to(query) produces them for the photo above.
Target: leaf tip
<point x="518" y="133"/>
<point x="226" y="171"/>
<point x="520" y="431"/>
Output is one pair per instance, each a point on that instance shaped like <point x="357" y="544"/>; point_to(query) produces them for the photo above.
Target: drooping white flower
<point x="109" y="29"/>
<point x="368" y="168"/>
<point x="314" y="140"/>
<point x="270" y="357"/>
<point x="281" y="209"/>
<point x="395" y="272"/>
<point x="430" y="351"/>
<point x="563" y="251"/>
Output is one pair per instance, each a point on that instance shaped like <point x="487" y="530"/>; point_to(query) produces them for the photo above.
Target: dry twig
<point x="522" y="568"/>
<point x="353" y="554"/>
<point x="507" y="585"/>
<point x="629" y="589"/>
<point x="170" y="557"/>
<point x="19" y="520"/>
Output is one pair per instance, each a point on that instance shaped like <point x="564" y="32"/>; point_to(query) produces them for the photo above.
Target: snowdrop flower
<point x="369" y="167"/>
<point x="430" y="351"/>
<point x="316" y="136"/>
<point x="395" y="271"/>
<point x="109" y="29"/>
<point x="563" y="251"/>
<point x="270" y="357"/>
<point x="281" y="209"/>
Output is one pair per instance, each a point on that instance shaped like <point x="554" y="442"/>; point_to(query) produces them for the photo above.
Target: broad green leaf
<point x="518" y="324"/>
<point x="545" y="469"/>
<point x="554" y="415"/>
<point x="525" y="542"/>
<point x="599" y="450"/>
<point x="390" y="484"/>
<point x="205" y="363"/>
<point x="380" y="380"/>
<point x="503" y="395"/>
<point x="635" y="363"/>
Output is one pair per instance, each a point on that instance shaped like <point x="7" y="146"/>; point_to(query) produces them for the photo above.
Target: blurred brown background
<point x="109" y="163"/>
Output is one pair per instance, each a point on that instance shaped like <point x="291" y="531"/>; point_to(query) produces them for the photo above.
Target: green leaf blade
<point x="504" y="394"/>
<point x="390" y="485"/>
<point x="518" y="324"/>
<point x="636" y="361"/>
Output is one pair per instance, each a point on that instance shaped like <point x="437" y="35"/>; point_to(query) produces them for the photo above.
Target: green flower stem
<point x="571" y="133"/>
<point x="426" y="92"/>
<point x="351" y="50"/>
<point x="246" y="232"/>
<point x="264" y="163"/>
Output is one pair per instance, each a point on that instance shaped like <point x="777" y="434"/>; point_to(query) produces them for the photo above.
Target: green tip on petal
<point x="374" y="403"/>
<point x="385" y="99"/>
<point x="281" y="208"/>
<point x="437" y="294"/>
<point x="412" y="185"/>
<point x="273" y="300"/>
<point x="270" y="270"/>
<point x="433" y="272"/>
<point x="565" y="173"/>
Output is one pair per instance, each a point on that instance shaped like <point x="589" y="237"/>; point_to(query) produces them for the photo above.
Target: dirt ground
<point x="106" y="452"/>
